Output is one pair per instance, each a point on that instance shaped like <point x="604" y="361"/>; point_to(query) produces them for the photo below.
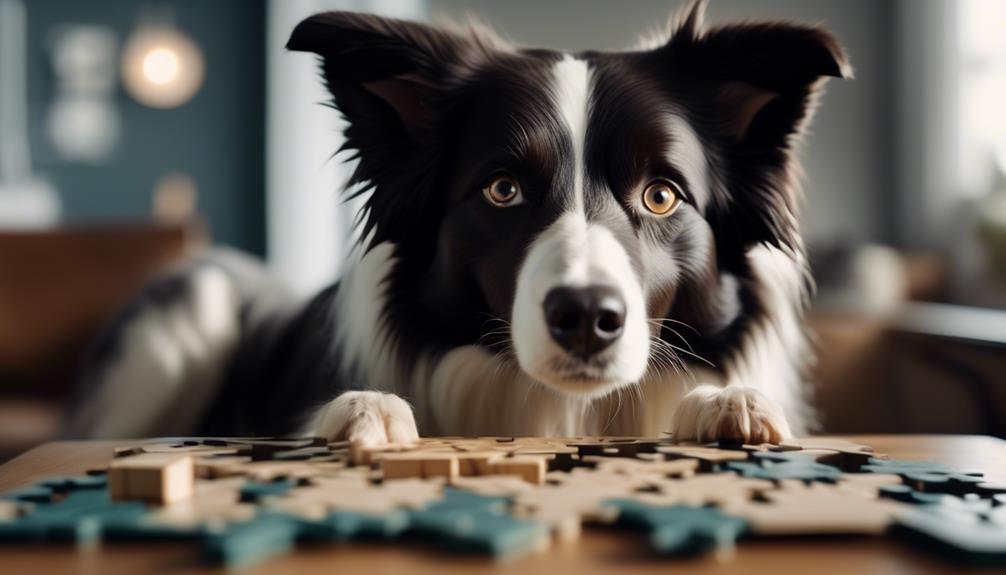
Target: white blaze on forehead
<point x="573" y="252"/>
<point x="571" y="89"/>
<point x="687" y="154"/>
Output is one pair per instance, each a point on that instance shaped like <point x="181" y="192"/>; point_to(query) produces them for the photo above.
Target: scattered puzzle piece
<point x="788" y="470"/>
<point x="251" y="542"/>
<point x="965" y="537"/>
<point x="474" y="523"/>
<point x="682" y="530"/>
<point x="816" y="508"/>
<point x="251" y="499"/>
<point x="154" y="477"/>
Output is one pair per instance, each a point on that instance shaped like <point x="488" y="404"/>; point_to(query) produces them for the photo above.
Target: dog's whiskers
<point x="661" y="320"/>
<point x="661" y="323"/>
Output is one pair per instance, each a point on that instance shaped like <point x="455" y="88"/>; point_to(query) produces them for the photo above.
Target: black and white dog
<point x="554" y="244"/>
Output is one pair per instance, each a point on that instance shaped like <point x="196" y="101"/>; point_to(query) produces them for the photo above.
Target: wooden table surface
<point x="597" y="551"/>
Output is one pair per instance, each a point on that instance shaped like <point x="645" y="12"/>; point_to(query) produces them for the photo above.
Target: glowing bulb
<point x="160" y="66"/>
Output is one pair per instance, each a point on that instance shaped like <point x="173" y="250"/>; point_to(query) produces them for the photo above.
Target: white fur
<point x="470" y="391"/>
<point x="367" y="418"/>
<point x="571" y="91"/>
<point x="744" y="413"/>
<point x="170" y="365"/>
<point x="360" y="332"/>
<point x="575" y="253"/>
<point x="776" y="351"/>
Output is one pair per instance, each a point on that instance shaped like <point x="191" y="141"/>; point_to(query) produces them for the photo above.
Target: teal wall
<point x="217" y="137"/>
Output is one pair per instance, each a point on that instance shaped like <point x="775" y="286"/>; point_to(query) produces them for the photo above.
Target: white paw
<point x="710" y="413"/>
<point x="367" y="418"/>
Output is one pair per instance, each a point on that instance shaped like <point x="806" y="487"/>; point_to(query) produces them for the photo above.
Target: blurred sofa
<point x="57" y="289"/>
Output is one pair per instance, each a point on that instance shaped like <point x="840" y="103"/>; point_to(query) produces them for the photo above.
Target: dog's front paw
<point x="736" y="414"/>
<point x="367" y="418"/>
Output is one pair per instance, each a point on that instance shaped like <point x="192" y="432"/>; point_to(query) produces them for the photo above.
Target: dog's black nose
<point x="584" y="320"/>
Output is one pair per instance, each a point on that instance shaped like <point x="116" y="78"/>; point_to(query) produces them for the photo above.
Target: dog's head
<point x="585" y="199"/>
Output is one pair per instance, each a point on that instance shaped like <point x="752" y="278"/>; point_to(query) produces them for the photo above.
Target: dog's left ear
<point x="752" y="88"/>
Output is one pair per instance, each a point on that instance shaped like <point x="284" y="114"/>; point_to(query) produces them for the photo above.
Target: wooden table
<point x="598" y="551"/>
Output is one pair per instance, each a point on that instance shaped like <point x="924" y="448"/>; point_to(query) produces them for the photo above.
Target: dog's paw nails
<point x="735" y="414"/>
<point x="368" y="419"/>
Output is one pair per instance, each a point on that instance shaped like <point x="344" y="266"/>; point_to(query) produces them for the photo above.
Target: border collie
<point x="593" y="243"/>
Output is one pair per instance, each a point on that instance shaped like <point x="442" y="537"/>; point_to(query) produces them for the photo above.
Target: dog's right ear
<point x="386" y="77"/>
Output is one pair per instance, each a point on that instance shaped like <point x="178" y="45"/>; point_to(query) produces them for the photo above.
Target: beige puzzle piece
<point x="707" y="455"/>
<point x="818" y="508"/>
<point x="720" y="489"/>
<point x="629" y="466"/>
<point x="530" y="468"/>
<point x="215" y="501"/>
<point x="159" y="478"/>
<point x="9" y="509"/>
<point x="494" y="485"/>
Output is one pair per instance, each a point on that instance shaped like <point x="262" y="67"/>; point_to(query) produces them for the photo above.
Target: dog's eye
<point x="503" y="191"/>
<point x="662" y="197"/>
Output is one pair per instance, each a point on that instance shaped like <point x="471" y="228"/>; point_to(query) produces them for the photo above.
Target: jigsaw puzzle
<point x="245" y="500"/>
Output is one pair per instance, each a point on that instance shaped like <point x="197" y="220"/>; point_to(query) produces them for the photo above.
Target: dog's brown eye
<point x="662" y="197"/>
<point x="503" y="191"/>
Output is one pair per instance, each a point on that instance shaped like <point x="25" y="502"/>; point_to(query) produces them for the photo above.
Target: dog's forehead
<point x="599" y="124"/>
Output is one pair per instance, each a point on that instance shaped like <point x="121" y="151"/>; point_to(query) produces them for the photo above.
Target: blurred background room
<point x="133" y="133"/>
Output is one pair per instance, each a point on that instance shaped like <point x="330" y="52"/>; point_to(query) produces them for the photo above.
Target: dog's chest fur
<point x="471" y="391"/>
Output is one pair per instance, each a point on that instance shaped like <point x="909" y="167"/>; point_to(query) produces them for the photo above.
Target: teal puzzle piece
<point x="681" y="529"/>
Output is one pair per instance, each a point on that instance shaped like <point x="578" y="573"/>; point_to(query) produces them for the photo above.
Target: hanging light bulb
<point x="161" y="66"/>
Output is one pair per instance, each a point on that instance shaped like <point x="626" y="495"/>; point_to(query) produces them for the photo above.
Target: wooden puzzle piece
<point x="905" y="494"/>
<point x="245" y="544"/>
<point x="159" y="478"/>
<point x="720" y="489"/>
<point x="469" y="522"/>
<point x="508" y="494"/>
<point x="213" y="502"/>
<point x="275" y="470"/>
<point x="253" y="491"/>
<point x="218" y="467"/>
<point x="64" y="483"/>
<point x="931" y="477"/>
<point x="9" y="509"/>
<point x="194" y="450"/>
<point x="419" y="464"/>
<point x="627" y="466"/>
<point x="348" y="525"/>
<point x="709" y="458"/>
<point x="78" y="517"/>
<point x="680" y="529"/>
<point x="530" y="468"/>
<point x="966" y="537"/>
<point x="869" y="484"/>
<point x="789" y="470"/>
<point x="29" y="494"/>
<point x="798" y="508"/>
<point x="826" y="444"/>
<point x="614" y="446"/>
<point x="493" y="485"/>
